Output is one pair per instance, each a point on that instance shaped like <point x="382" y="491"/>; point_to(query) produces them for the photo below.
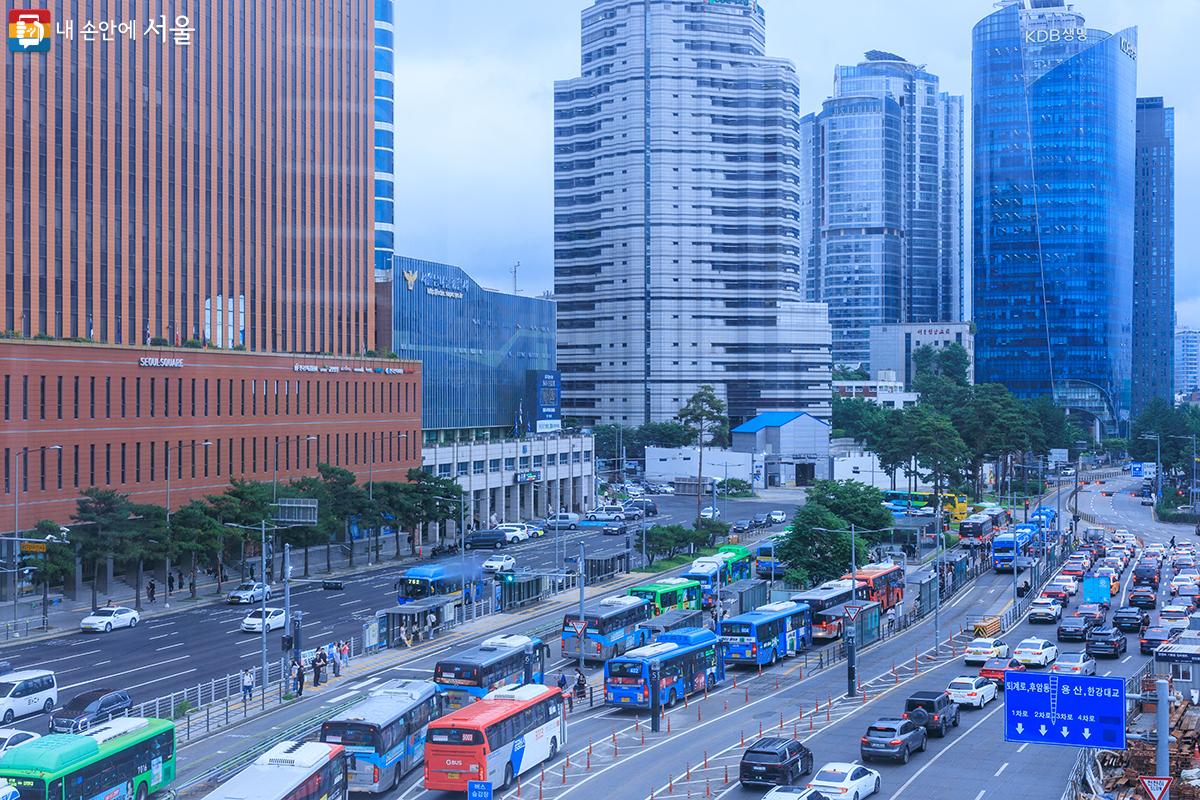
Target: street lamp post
<point x="16" y="541"/>
<point x="179" y="446"/>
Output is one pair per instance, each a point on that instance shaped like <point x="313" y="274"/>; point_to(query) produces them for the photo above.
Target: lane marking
<point x="1021" y="749"/>
<point x="1003" y="767"/>
<point x="163" y="678"/>
<point x="1126" y="658"/>
<point x="340" y="697"/>
<point x="169" y="646"/>
<point x="65" y="658"/>
<point x="982" y="792"/>
<point x="943" y="752"/>
<point x="126" y="672"/>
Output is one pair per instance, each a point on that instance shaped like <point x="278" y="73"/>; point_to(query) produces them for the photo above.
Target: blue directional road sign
<point x="1066" y="710"/>
<point x="479" y="790"/>
<point x="1135" y="470"/>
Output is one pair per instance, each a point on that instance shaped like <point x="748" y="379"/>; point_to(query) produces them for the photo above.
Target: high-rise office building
<point x="885" y="243"/>
<point x="385" y="141"/>
<point x="1187" y="360"/>
<point x="1053" y="135"/>
<point x="676" y="182"/>
<point x="167" y="188"/>
<point x="1154" y="255"/>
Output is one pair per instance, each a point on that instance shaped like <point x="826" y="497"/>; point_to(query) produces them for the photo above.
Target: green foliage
<point x="852" y="502"/>
<point x="53" y="566"/>
<point x="850" y="374"/>
<point x="101" y="520"/>
<point x="816" y="547"/>
<point x="860" y="419"/>
<point x="704" y="412"/>
<point x="181" y="709"/>
<point x="635" y="440"/>
<point x="1174" y="426"/>
<point x="708" y="531"/>
<point x="667" y="541"/>
<point x="951" y="362"/>
<point x="735" y="487"/>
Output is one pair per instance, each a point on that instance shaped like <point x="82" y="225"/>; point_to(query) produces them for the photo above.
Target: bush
<point x="158" y="341"/>
<point x="181" y="709"/>
<point x="195" y="344"/>
<point x="735" y="487"/>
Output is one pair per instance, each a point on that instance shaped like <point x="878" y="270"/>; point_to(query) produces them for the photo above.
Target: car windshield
<point x="81" y="702"/>
<point x="245" y="587"/>
<point x="104" y="612"/>
<point x="961" y="685"/>
<point x="831" y="776"/>
<point x="254" y="615"/>
<point x="761" y="757"/>
<point x="881" y="730"/>
<point x="981" y="643"/>
<point x="1030" y="644"/>
<point x="5" y="688"/>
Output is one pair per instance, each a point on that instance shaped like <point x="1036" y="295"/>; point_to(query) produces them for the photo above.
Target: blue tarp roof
<point x="771" y="419"/>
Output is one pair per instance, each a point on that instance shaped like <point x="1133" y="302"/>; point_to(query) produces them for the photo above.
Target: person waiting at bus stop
<point x="580" y="684"/>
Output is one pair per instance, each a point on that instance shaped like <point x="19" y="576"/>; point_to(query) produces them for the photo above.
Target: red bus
<point x="510" y="731"/>
<point x="884" y="583"/>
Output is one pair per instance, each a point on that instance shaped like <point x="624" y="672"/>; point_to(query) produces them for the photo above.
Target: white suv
<point x="514" y="532"/>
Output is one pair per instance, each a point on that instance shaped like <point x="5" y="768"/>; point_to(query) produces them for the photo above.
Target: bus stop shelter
<point x="518" y="589"/>
<point x="866" y="622"/>
<point x="414" y="618"/>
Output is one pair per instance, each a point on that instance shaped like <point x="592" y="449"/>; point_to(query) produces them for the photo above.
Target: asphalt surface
<point x="609" y="759"/>
<point x="174" y="652"/>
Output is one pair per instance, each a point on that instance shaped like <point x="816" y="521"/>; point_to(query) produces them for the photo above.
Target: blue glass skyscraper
<point x="1053" y="137"/>
<point x="385" y="170"/>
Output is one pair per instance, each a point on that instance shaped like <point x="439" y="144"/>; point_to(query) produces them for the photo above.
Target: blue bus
<point x="427" y="580"/>
<point x="385" y="733"/>
<point x="497" y="661"/>
<point x="767" y="633"/>
<point x="720" y="569"/>
<point x="688" y="660"/>
<point x="613" y="627"/>
<point x="1003" y="544"/>
<point x="766" y="563"/>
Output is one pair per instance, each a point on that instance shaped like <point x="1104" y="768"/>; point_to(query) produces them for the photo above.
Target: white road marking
<point x="119" y="674"/>
<point x="1003" y="767"/>
<point x="163" y="678"/>
<point x="1126" y="658"/>
<point x="1021" y="749"/>
<point x="66" y="658"/>
<point x="982" y="792"/>
<point x="943" y="752"/>
<point x="169" y="646"/>
<point x="341" y="697"/>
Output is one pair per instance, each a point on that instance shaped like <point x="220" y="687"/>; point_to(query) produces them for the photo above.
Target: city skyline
<point x="498" y="178"/>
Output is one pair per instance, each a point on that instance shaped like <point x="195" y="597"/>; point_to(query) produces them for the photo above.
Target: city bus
<point x="954" y="505"/>
<point x="767" y="634"/>
<point x="288" y="771"/>
<point x="384" y="734"/>
<point x="427" y="580"/>
<point x="670" y="593"/>
<point x="884" y="583"/>
<point x="828" y="595"/>
<point x="766" y="563"/>
<point x="975" y="530"/>
<point x="687" y="660"/>
<point x="720" y="569"/>
<point x="124" y="757"/>
<point x="739" y="561"/>
<point x="497" y="661"/>
<point x="612" y="627"/>
<point x="1003" y="545"/>
<point x="511" y="731"/>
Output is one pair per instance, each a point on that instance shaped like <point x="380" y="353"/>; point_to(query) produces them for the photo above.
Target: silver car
<point x="249" y="592"/>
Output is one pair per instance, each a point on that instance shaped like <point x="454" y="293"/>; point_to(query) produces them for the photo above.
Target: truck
<point x="742" y="596"/>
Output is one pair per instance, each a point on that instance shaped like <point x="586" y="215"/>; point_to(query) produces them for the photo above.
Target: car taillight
<point x="935" y="717"/>
<point x="375" y="775"/>
<point x="904" y="715"/>
<point x="970" y="694"/>
<point x="893" y="742"/>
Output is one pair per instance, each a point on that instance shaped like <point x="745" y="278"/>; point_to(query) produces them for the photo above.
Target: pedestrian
<point x="299" y="679"/>
<point x="247" y="684"/>
<point x="562" y="682"/>
<point x="404" y="634"/>
<point x="431" y="620"/>
<point x="295" y="675"/>
<point x="179" y="581"/>
<point x="1172" y="541"/>
<point x="344" y="652"/>
<point x="337" y="659"/>
<point x="170" y="583"/>
<point x="150" y="590"/>
<point x="891" y="620"/>
<point x="192" y="585"/>
<point x="318" y="664"/>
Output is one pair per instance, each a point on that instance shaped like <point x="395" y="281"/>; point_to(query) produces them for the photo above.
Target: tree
<point x="951" y="362"/>
<point x="855" y="503"/>
<point x="244" y="503"/>
<point x="101" y="517"/>
<point x="703" y="412"/>
<point x="56" y="564"/>
<point x="859" y="419"/>
<point x="940" y="451"/>
<point x="147" y="537"/>
<point x="816" y="547"/>
<point x="708" y="531"/>
<point x="850" y="374"/>
<point x="195" y="530"/>
<point x="663" y="540"/>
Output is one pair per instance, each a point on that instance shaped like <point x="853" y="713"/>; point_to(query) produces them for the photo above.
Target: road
<point x="173" y="652"/>
<point x="707" y="737"/>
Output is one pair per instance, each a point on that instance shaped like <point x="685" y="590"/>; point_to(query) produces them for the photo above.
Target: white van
<point x="26" y="692"/>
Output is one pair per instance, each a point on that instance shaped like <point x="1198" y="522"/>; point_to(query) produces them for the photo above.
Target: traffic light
<point x="1026" y="503"/>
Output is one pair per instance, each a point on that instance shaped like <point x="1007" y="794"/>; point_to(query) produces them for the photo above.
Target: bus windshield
<point x="350" y="734"/>
<point x="454" y="736"/>
<point x="27" y="788"/>
<point x="736" y="628"/>
<point x="414" y="588"/>
<point x="625" y="669"/>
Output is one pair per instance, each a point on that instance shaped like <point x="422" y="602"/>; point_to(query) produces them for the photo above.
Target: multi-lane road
<point x="173" y="652"/>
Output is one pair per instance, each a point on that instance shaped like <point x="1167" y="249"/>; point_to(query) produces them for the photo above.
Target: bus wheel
<point x="671" y="699"/>
<point x="142" y="792"/>
<point x="508" y="777"/>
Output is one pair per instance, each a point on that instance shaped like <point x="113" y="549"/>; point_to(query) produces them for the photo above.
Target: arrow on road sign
<point x="1156" y="787"/>
<point x="1087" y="734"/>
<point x="1020" y="728"/>
<point x="1042" y="730"/>
<point x="1065" y="732"/>
<point x="852" y="611"/>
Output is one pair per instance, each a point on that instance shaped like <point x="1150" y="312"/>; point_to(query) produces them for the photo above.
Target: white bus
<point x="290" y="771"/>
<point x="384" y="734"/>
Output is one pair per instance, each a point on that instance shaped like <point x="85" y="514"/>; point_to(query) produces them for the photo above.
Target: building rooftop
<point x="771" y="419"/>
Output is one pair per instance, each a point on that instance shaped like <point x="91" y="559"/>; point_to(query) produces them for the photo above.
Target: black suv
<point x="1152" y="638"/>
<point x="90" y="708"/>
<point x="892" y="738"/>
<point x="1106" y="641"/>
<point x="1143" y="597"/>
<point x="933" y="711"/>
<point x="762" y="520"/>
<point x="492" y="539"/>
<point x="1074" y="629"/>
<point x="1146" y="574"/>
<point x="649" y="507"/>
<point x="774" y="761"/>
<point x="1129" y="619"/>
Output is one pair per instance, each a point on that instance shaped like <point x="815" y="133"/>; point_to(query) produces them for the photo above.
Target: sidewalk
<point x="64" y="615"/>
<point x="210" y="748"/>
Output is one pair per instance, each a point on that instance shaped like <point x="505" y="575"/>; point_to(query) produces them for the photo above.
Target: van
<point x="26" y="692"/>
<point x="492" y="539"/>
<point x="563" y="521"/>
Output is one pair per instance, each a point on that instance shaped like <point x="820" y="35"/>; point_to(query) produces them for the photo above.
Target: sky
<point x="475" y="96"/>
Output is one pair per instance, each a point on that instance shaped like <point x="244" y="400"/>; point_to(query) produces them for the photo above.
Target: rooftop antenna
<point x="514" y="274"/>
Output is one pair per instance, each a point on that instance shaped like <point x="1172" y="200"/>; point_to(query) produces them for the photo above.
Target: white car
<point x="665" y="488"/>
<point x="841" y="779"/>
<point x="1068" y="584"/>
<point x="248" y="592"/>
<point x="984" y="648"/>
<point x="11" y="737"/>
<point x="514" y="532"/>
<point x="1036" y="652"/>
<point x="1180" y="580"/>
<point x="1044" y="609"/>
<point x="710" y="512"/>
<point x="105" y="619"/>
<point x="499" y="563"/>
<point x="1075" y="664"/>
<point x="777" y="517"/>
<point x="971" y="690"/>
<point x="633" y="490"/>
<point x="794" y="793"/>
<point x="253" y="621"/>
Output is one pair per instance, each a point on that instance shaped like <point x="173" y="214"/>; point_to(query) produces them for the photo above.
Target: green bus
<point x="126" y="758"/>
<point x="667" y="593"/>
<point x="739" y="561"/>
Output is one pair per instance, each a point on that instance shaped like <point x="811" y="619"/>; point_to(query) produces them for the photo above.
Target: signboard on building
<point x="1058" y="456"/>
<point x="543" y="398"/>
<point x="528" y="476"/>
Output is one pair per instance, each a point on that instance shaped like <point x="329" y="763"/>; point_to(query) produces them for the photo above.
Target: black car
<point x="490" y="540"/>
<point x="1146" y="574"/>
<point x="1129" y="619"/>
<point x="1074" y="629"/>
<point x="762" y="520"/>
<point x="649" y="507"/>
<point x="1095" y="613"/>
<point x="741" y="526"/>
<point x="1143" y="597"/>
<point x="933" y="711"/>
<point x="774" y="761"/>
<point x="1152" y="638"/>
<point x="89" y="708"/>
<point x="1105" y="641"/>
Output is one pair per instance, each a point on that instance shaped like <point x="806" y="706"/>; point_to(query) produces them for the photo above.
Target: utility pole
<point x="851" y="633"/>
<point x="262" y="569"/>
<point x="582" y="616"/>
<point x="287" y="583"/>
